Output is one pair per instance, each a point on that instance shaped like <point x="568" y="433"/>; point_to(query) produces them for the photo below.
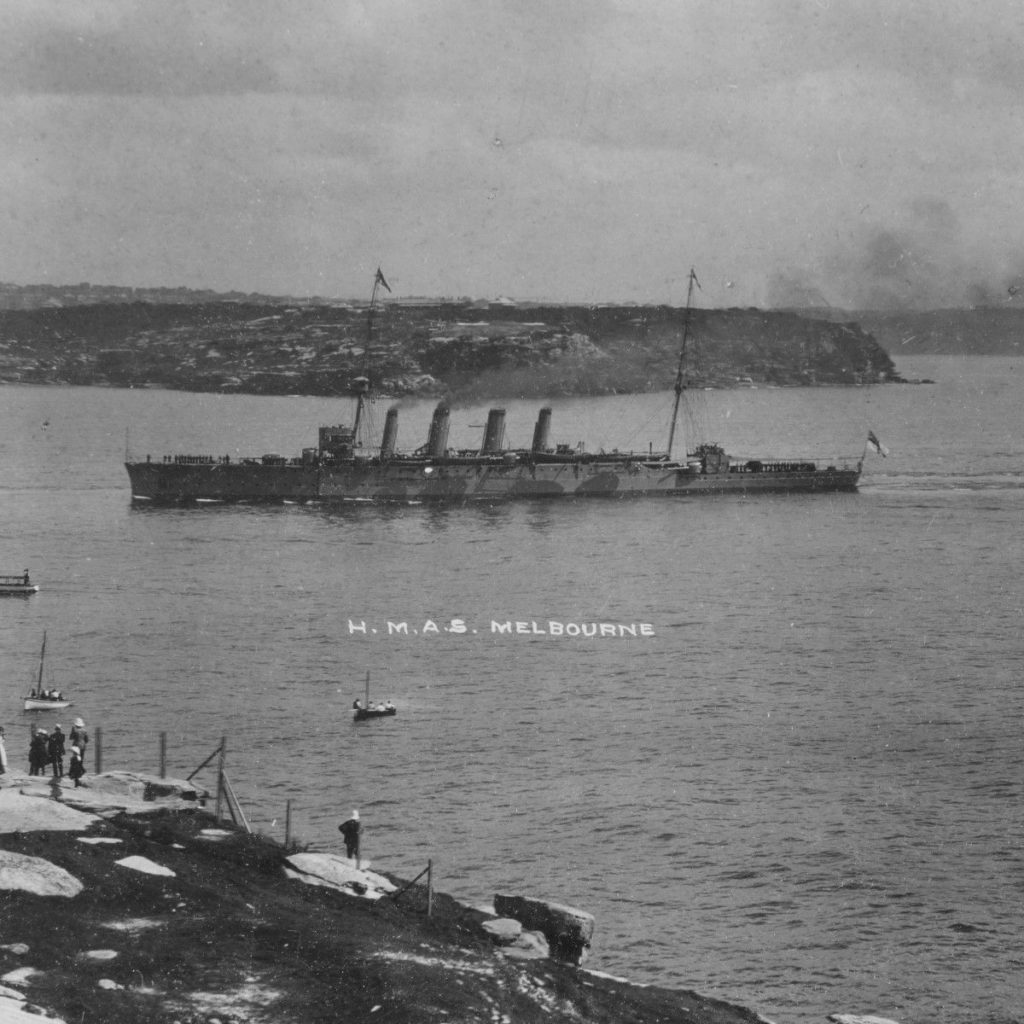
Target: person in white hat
<point x="76" y="769"/>
<point x="350" y="832"/>
<point x="79" y="737"/>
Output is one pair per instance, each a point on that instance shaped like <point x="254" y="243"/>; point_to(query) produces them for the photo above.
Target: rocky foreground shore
<point x="127" y="901"/>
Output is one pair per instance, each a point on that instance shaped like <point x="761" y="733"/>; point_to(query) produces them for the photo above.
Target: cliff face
<point x="455" y="349"/>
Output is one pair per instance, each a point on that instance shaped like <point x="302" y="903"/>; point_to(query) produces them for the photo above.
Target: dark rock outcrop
<point x="568" y="930"/>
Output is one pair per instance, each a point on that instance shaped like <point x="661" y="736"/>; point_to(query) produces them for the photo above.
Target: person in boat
<point x="38" y="754"/>
<point x="389" y="705"/>
<point x="356" y="706"/>
<point x="55" y="748"/>
<point x="25" y="578"/>
<point x="350" y="833"/>
<point x="77" y="767"/>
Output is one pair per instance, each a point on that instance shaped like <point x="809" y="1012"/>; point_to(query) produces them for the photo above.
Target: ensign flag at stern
<point x="875" y="445"/>
<point x="380" y="280"/>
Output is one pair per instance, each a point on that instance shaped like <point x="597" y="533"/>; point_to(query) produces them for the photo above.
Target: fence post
<point x="98" y="756"/>
<point x="163" y="755"/>
<point x="288" y="825"/>
<point x="220" y="772"/>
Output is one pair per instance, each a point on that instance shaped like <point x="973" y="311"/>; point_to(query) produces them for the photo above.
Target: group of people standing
<point x="48" y="750"/>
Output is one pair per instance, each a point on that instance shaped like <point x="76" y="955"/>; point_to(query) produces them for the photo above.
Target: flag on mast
<point x="875" y="445"/>
<point x="379" y="279"/>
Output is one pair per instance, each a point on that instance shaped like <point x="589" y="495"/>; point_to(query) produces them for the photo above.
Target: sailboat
<point x="348" y="466"/>
<point x="40" y="699"/>
<point x="364" y="709"/>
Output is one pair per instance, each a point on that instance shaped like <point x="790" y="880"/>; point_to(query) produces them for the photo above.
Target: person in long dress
<point x="76" y="769"/>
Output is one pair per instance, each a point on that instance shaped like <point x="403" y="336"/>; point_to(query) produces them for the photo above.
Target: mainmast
<point x="362" y="384"/>
<point x="682" y="361"/>
<point x="42" y="658"/>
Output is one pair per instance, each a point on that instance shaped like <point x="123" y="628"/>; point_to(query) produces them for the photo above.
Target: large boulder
<point x="504" y="931"/>
<point x="35" y="875"/>
<point x="134" y="792"/>
<point x="567" y="929"/>
<point x="335" y="872"/>
<point x="34" y="811"/>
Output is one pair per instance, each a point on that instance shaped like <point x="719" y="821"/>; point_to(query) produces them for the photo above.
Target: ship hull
<point x="469" y="480"/>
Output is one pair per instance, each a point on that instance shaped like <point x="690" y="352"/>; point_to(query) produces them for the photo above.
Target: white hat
<point x="79" y="724"/>
<point x="355" y="815"/>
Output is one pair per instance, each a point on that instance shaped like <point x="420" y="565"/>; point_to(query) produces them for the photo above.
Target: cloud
<point x="591" y="149"/>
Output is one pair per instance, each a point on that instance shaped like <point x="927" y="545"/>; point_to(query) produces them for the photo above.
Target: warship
<point x="346" y="466"/>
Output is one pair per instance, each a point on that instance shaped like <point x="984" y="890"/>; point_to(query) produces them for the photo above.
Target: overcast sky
<point x="855" y="152"/>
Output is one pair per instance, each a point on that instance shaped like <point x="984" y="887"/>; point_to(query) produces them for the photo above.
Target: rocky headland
<point x="126" y="900"/>
<point x="457" y="350"/>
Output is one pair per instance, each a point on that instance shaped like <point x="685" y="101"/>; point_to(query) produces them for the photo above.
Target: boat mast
<point x="42" y="657"/>
<point x="367" y="689"/>
<point x="682" y="360"/>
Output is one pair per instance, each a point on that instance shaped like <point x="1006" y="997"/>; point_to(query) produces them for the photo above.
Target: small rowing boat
<point x="363" y="709"/>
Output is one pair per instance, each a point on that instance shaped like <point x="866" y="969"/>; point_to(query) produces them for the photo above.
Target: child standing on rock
<point x="76" y="769"/>
<point x="79" y="737"/>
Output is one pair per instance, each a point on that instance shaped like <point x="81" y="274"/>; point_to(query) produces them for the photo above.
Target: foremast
<point x="679" y="386"/>
<point x="362" y="384"/>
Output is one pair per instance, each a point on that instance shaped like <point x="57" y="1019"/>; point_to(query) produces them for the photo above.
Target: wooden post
<point x="163" y="755"/>
<point x="98" y="756"/>
<point x="288" y="825"/>
<point x="430" y="887"/>
<point x="220" y="774"/>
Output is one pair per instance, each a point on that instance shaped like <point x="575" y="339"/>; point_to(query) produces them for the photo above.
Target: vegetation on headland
<point x="460" y="349"/>
<point x="229" y="937"/>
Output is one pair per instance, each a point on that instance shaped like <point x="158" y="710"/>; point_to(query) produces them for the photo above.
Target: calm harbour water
<point x="803" y="793"/>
